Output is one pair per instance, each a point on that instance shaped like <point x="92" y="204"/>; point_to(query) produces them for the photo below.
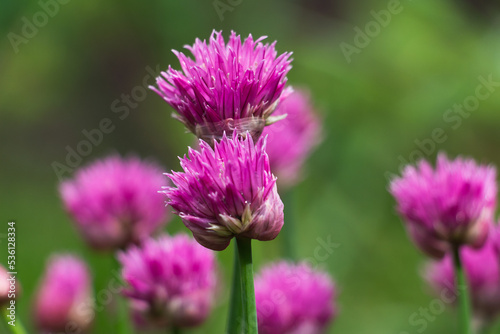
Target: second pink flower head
<point x="115" y="201"/>
<point x="452" y="204"/>
<point x="227" y="191"/>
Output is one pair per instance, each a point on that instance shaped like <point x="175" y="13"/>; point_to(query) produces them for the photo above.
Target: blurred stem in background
<point x="249" y="309"/>
<point x="234" y="320"/>
<point x="123" y="317"/>
<point x="288" y="229"/>
<point x="100" y="265"/>
<point x="462" y="292"/>
<point x="18" y="328"/>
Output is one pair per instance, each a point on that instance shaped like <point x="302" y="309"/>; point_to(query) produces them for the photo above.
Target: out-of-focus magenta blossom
<point x="291" y="140"/>
<point x="64" y="300"/>
<point x="451" y="204"/>
<point x="294" y="299"/>
<point x="227" y="191"/>
<point x="226" y="87"/>
<point x="8" y="287"/>
<point x="115" y="201"/>
<point x="482" y="269"/>
<point x="171" y="281"/>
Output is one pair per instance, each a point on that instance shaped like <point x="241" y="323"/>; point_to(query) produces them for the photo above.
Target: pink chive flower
<point x="451" y="204"/>
<point x="482" y="270"/>
<point x="227" y="86"/>
<point x="171" y="281"/>
<point x="115" y="201"/>
<point x="227" y="191"/>
<point x="291" y="140"/>
<point x="294" y="299"/>
<point x="64" y="300"/>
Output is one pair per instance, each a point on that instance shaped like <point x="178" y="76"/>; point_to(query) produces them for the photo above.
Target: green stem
<point x="124" y="324"/>
<point x="288" y="229"/>
<point x="463" y="294"/>
<point x="176" y="330"/>
<point x="18" y="328"/>
<point x="234" y="320"/>
<point x="247" y="287"/>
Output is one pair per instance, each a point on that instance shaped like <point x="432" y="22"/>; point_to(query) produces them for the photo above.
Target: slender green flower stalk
<point x="124" y="324"/>
<point x="289" y="229"/>
<point x="482" y="273"/>
<point x="463" y="294"/>
<point x="234" y="320"/>
<point x="249" y="310"/>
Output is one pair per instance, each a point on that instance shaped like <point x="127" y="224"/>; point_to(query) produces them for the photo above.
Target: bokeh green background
<point x="394" y="92"/>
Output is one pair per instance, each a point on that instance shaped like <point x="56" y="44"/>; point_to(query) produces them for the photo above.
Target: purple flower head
<point x="294" y="299"/>
<point x="291" y="140"/>
<point x="227" y="191"/>
<point x="171" y="281"/>
<point x="482" y="269"/>
<point x="451" y="204"/>
<point x="115" y="201"/>
<point x="226" y="87"/>
<point x="64" y="299"/>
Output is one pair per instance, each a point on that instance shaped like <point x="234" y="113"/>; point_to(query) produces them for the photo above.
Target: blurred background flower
<point x="291" y="140"/>
<point x="115" y="201"/>
<point x="482" y="269"/>
<point x="171" y="282"/>
<point x="84" y="71"/>
<point x="64" y="300"/>
<point x="447" y="206"/>
<point x="294" y="299"/>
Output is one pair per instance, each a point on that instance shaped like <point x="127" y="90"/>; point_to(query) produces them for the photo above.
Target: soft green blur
<point x="394" y="93"/>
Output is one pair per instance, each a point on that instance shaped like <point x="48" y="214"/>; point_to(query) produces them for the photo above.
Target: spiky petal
<point x="227" y="191"/>
<point x="226" y="87"/>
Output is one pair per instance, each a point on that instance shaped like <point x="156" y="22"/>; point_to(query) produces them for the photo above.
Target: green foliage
<point x="395" y="92"/>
